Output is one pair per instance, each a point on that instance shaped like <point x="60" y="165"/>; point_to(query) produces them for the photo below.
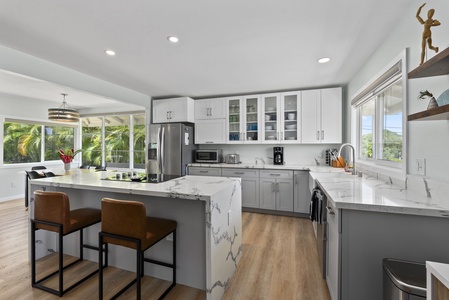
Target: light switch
<point x="420" y="166"/>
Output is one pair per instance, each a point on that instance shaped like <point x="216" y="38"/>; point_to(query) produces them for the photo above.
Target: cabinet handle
<point x="210" y="111"/>
<point x="275" y="174"/>
<point x="171" y="117"/>
<point x="318" y="135"/>
<point x="239" y="172"/>
<point x="209" y="142"/>
<point x="277" y="187"/>
<point x="204" y="171"/>
<point x="168" y="115"/>
<point x="272" y="187"/>
<point x="329" y="210"/>
<point x="322" y="134"/>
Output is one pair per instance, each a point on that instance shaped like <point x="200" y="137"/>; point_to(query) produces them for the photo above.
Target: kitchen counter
<point x="370" y="194"/>
<point x="207" y="209"/>
<point x="314" y="168"/>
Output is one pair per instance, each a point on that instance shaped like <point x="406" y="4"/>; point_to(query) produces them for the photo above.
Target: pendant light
<point x="64" y="113"/>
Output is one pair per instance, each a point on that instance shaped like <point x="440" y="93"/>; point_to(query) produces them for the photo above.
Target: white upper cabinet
<point x="210" y="109"/>
<point x="281" y="118"/>
<point x="243" y="119"/>
<point x="173" y="110"/>
<point x="321" y="118"/>
<point x="331" y="116"/>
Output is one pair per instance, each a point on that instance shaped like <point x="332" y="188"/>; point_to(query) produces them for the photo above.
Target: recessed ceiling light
<point x="173" y="39"/>
<point x="109" y="52"/>
<point x="323" y="60"/>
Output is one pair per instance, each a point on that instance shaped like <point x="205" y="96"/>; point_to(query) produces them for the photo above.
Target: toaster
<point x="232" y="159"/>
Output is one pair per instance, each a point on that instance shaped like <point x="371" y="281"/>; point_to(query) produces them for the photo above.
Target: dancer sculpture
<point x="427" y="34"/>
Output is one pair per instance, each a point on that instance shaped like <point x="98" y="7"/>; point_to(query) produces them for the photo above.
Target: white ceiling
<point x="226" y="47"/>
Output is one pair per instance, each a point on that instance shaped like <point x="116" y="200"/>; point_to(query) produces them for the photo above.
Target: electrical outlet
<point x="13" y="184"/>
<point x="420" y="166"/>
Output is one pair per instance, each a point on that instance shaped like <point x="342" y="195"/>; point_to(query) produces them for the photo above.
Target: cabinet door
<point x="301" y="192"/>
<point x="234" y="126"/>
<point x="217" y="108"/>
<point x="290" y="117"/>
<point x="267" y="193"/>
<point x="270" y="118"/>
<point x="310" y="116"/>
<point x="211" y="131"/>
<point x="161" y="109"/>
<point x="251" y="111"/>
<point x="179" y="110"/>
<point x="250" y="192"/>
<point x="201" y="109"/>
<point x="332" y="256"/>
<point x="331" y="116"/>
<point x="284" y="197"/>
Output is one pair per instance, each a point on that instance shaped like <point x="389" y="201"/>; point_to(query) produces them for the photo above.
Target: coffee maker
<point x="278" y="155"/>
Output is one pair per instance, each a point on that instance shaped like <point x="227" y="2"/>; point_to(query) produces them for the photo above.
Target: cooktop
<point x="149" y="178"/>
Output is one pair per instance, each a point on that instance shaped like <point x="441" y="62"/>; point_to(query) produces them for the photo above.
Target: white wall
<point x="426" y="139"/>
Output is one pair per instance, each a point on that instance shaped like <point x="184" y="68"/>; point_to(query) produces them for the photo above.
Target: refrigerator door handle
<point x="162" y="151"/>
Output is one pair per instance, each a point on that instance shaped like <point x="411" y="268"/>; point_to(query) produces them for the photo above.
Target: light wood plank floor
<point x="279" y="261"/>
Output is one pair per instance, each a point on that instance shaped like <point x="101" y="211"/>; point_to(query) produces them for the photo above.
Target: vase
<point x="432" y="103"/>
<point x="67" y="167"/>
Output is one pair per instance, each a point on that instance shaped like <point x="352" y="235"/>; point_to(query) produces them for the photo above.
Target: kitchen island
<point x="207" y="209"/>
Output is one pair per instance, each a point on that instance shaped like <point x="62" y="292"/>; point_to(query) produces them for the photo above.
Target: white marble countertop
<point x="368" y="193"/>
<point x="293" y="167"/>
<point x="187" y="187"/>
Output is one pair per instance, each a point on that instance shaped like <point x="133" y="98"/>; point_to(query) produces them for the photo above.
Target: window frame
<point x="14" y="119"/>
<point x="372" y="89"/>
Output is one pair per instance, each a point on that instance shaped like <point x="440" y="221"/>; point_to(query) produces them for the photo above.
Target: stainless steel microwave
<point x="208" y="156"/>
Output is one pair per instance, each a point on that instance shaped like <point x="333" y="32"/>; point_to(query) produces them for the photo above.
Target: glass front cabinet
<point x="280" y="117"/>
<point x="243" y="119"/>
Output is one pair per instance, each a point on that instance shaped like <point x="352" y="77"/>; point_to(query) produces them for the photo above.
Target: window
<point x="122" y="145"/>
<point x="380" y="119"/>
<point x="27" y="142"/>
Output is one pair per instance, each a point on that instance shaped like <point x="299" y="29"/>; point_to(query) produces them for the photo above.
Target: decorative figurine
<point x="427" y="34"/>
<point x="426" y="94"/>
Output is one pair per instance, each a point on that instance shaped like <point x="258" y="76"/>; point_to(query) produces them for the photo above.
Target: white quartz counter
<point x="314" y="168"/>
<point x="368" y="193"/>
<point x="188" y="187"/>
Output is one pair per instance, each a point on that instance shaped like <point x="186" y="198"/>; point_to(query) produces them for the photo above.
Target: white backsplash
<point x="293" y="154"/>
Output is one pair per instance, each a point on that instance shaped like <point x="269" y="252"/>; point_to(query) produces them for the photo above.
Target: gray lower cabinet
<point x="358" y="240"/>
<point x="276" y="190"/>
<point x="333" y="252"/>
<point x="250" y="185"/>
<point x="301" y="192"/>
<point x="205" y="171"/>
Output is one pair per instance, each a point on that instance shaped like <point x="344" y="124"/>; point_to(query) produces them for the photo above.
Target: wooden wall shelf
<point x="437" y="113"/>
<point x="436" y="66"/>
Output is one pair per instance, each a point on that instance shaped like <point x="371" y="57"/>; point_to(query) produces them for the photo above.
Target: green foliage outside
<point x="22" y="143"/>
<point x="392" y="146"/>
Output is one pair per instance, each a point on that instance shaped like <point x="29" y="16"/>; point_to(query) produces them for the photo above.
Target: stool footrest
<point x="160" y="263"/>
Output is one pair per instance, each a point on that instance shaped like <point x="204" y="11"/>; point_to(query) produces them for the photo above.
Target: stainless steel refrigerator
<point x="171" y="147"/>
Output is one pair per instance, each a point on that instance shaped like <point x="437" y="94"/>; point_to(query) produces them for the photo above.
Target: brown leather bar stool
<point x="125" y="223"/>
<point x="52" y="212"/>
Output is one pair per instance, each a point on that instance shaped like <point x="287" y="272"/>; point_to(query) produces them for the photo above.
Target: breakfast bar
<point x="207" y="209"/>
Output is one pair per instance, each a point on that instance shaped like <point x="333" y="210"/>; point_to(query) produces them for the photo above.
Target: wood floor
<point x="279" y="261"/>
